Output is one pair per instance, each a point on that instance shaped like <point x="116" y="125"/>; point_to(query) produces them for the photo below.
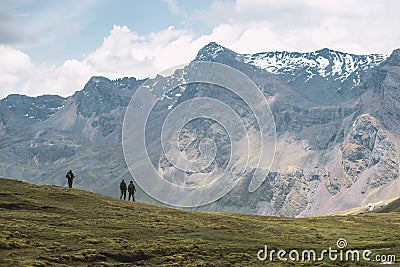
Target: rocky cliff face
<point x="367" y="150"/>
<point x="337" y="120"/>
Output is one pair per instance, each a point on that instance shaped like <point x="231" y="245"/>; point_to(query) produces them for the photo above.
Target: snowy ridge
<point x="332" y="66"/>
<point x="325" y="63"/>
<point x="210" y="51"/>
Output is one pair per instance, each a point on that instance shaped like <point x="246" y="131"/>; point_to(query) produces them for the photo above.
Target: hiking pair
<point x="130" y="188"/>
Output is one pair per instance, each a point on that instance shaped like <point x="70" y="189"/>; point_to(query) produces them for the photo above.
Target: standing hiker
<point x="122" y="187"/>
<point x="70" y="176"/>
<point x="131" y="190"/>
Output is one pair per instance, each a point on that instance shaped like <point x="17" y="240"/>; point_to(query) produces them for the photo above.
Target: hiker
<point x="70" y="176"/>
<point x="122" y="187"/>
<point x="131" y="190"/>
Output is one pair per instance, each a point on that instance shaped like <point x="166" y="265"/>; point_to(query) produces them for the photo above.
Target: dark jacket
<point x="131" y="188"/>
<point x="70" y="175"/>
<point x="122" y="186"/>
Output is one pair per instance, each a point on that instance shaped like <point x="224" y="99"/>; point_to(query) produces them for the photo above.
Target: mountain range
<point x="337" y="119"/>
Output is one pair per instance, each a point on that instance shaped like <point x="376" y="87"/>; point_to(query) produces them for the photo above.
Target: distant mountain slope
<point x="371" y="207"/>
<point x="54" y="226"/>
<point x="17" y="111"/>
<point x="393" y="206"/>
<point x="35" y="108"/>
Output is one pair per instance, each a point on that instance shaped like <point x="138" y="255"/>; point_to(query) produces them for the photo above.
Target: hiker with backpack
<point x="131" y="191"/>
<point x="70" y="176"/>
<point x="122" y="187"/>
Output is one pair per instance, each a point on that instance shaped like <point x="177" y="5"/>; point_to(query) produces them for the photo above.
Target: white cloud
<point x="15" y="67"/>
<point x="123" y="53"/>
<point x="250" y="26"/>
<point x="356" y="26"/>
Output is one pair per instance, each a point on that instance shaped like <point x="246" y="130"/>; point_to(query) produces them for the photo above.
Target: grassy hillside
<point x="393" y="206"/>
<point x="54" y="226"/>
<point x="390" y="205"/>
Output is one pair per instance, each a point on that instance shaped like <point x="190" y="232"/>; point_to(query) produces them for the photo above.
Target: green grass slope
<point x="389" y="205"/>
<point x="54" y="226"/>
<point x="393" y="206"/>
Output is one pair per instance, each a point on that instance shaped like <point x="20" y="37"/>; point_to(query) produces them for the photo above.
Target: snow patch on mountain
<point x="210" y="51"/>
<point x="325" y="63"/>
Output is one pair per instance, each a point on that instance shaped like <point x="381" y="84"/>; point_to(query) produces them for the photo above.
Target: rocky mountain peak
<point x="35" y="108"/>
<point x="325" y="52"/>
<point x="102" y="95"/>
<point x="394" y="58"/>
<point x="213" y="51"/>
<point x="96" y="83"/>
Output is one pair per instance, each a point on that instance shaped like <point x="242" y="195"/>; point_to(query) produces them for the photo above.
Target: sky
<point x="54" y="47"/>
